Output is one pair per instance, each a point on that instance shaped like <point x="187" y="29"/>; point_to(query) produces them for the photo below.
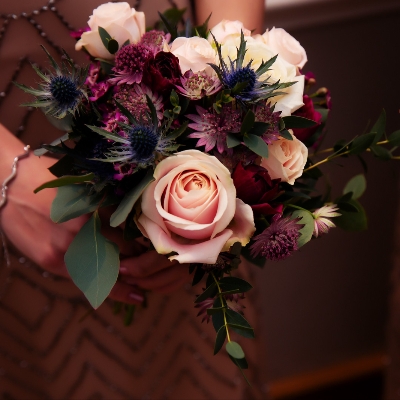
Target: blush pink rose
<point x="286" y="159"/>
<point x="191" y="209"/>
<point x="227" y="29"/>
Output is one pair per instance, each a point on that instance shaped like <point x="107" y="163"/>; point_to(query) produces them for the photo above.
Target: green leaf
<point x="129" y="200"/>
<point x="40" y="152"/>
<point x="308" y="228"/>
<point x="220" y="339"/>
<point x="352" y="221"/>
<point x="209" y="292"/>
<point x="256" y="144"/>
<point x="231" y="283"/>
<point x="93" y="262"/>
<point x="234" y="350"/>
<point x="218" y="321"/>
<point x="232" y="140"/>
<point x="198" y="275"/>
<point x="72" y="201"/>
<point x="128" y="318"/>
<point x="379" y="126"/>
<point x="104" y="36"/>
<point x="346" y="206"/>
<point x="381" y="153"/>
<point x="233" y="317"/>
<point x="394" y="138"/>
<point x="259" y="128"/>
<point x="259" y="261"/>
<point x="65" y="180"/>
<point x="361" y="143"/>
<point x="356" y="185"/>
<point x="286" y="134"/>
<point x="298" y="122"/>
<point x="242" y="364"/>
<point x="243" y="331"/>
<point x="248" y="122"/>
<point x="173" y="98"/>
<point x="112" y="46"/>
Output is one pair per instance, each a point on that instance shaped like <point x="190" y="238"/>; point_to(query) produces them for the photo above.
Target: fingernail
<point x="136" y="297"/>
<point x="123" y="270"/>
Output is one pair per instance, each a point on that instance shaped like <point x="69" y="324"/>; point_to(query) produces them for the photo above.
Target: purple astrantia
<point x="322" y="222"/>
<point x="129" y="63"/>
<point x="199" y="84"/>
<point x="155" y="40"/>
<point x="278" y="241"/>
<point x="211" y="128"/>
<point x="265" y="113"/>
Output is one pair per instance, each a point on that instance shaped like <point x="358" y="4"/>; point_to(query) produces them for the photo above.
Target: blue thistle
<point x="61" y="91"/>
<point x="244" y="82"/>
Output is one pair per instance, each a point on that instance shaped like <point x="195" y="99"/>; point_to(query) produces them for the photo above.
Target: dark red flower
<point x="162" y="72"/>
<point x="307" y="111"/>
<point x="256" y="188"/>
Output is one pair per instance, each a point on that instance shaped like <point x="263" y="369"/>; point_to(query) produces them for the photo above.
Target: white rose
<point x="280" y="70"/>
<point x="194" y="53"/>
<point x="286" y="159"/>
<point x="227" y="30"/>
<point x="122" y="23"/>
<point x="285" y="45"/>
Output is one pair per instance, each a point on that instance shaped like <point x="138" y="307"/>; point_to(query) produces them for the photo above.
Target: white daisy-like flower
<point x="322" y="222"/>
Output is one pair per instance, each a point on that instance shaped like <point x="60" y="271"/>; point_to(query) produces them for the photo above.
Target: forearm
<point x="250" y="12"/>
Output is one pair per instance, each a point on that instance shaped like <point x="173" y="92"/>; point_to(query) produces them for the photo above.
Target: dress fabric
<point x="51" y="344"/>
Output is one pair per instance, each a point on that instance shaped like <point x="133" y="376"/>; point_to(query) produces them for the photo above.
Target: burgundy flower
<point x="307" y="111"/>
<point x="256" y="188"/>
<point x="162" y="72"/>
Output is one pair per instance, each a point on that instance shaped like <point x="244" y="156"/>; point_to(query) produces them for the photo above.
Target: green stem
<point x="222" y="304"/>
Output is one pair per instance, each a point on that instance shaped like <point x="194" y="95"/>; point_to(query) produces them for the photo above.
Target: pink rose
<point x="227" y="29"/>
<point x="286" y="160"/>
<point x="191" y="209"/>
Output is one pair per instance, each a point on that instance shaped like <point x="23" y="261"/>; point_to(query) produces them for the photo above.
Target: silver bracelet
<point x="12" y="175"/>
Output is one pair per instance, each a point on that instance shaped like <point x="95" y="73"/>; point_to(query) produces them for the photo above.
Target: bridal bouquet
<point x="205" y="141"/>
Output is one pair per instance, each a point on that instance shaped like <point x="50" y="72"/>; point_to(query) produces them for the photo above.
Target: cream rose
<point x="194" y="54"/>
<point x="285" y="45"/>
<point x="286" y="159"/>
<point x="280" y="70"/>
<point x="120" y="20"/>
<point x="191" y="209"/>
<point x="227" y="30"/>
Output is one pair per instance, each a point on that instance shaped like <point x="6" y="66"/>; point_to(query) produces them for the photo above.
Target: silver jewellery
<point x="12" y="175"/>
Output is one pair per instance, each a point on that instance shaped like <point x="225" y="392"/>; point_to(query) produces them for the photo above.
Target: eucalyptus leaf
<point x="308" y="221"/>
<point x="248" y="121"/>
<point x="379" y="126"/>
<point x="234" y="350"/>
<point x="381" y="153"/>
<point x="394" y="138"/>
<point x="198" y="275"/>
<point x="352" y="221"/>
<point x="127" y="203"/>
<point x="293" y="121"/>
<point x="232" y="140"/>
<point x="361" y="143"/>
<point x="104" y="36"/>
<point x="356" y="185"/>
<point x="112" y="46"/>
<point x="72" y="201"/>
<point x="256" y="144"/>
<point x="218" y="321"/>
<point x="220" y="339"/>
<point x="233" y="317"/>
<point x="93" y="262"/>
<point x="286" y="134"/>
<point x="259" y="128"/>
<point x="209" y="292"/>
<point x="65" y="180"/>
<point x="243" y="331"/>
<point x="242" y="364"/>
<point x="346" y="206"/>
<point x="231" y="282"/>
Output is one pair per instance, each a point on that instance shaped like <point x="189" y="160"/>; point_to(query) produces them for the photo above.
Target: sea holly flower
<point x="322" y="222"/>
<point x="61" y="91"/>
<point x="278" y="241"/>
<point x="244" y="81"/>
<point x="211" y="128"/>
<point x="198" y="85"/>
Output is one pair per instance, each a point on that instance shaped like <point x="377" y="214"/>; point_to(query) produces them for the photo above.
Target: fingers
<point x="126" y="293"/>
<point x="145" y="264"/>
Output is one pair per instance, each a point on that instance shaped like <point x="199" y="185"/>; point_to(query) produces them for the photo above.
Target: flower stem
<point x="222" y="304"/>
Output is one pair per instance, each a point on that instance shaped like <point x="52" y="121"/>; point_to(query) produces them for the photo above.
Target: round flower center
<point x="280" y="244"/>
<point x="143" y="142"/>
<point x="64" y="91"/>
<point x="131" y="58"/>
<point x="241" y="75"/>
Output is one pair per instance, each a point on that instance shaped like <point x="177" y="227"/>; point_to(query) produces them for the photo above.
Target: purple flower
<point x="277" y="241"/>
<point x="265" y="113"/>
<point x="155" y="40"/>
<point x="129" y="63"/>
<point x="199" y="84"/>
<point x="211" y="128"/>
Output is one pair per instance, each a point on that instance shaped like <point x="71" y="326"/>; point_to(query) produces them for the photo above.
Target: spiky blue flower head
<point x="61" y="90"/>
<point x="245" y="82"/>
<point x="143" y="142"/>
